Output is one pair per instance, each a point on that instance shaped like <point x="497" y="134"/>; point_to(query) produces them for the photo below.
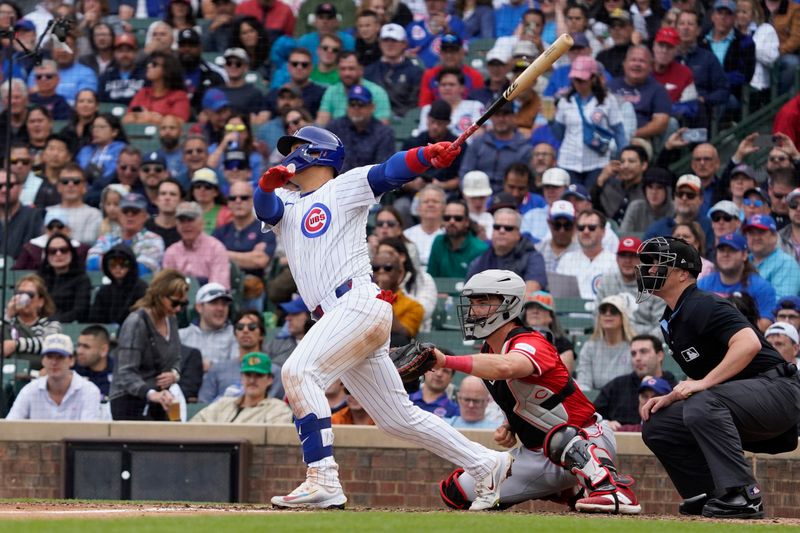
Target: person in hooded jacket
<point x="113" y="302"/>
<point x="66" y="280"/>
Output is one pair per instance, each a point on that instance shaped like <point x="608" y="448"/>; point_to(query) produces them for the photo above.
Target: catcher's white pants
<point x="535" y="476"/>
<point x="351" y="342"/>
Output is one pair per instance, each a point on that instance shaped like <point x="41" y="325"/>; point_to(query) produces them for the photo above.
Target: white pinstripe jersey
<point x="324" y="234"/>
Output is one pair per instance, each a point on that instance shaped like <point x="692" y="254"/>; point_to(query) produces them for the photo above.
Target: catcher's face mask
<point x="482" y="314"/>
<point x="656" y="262"/>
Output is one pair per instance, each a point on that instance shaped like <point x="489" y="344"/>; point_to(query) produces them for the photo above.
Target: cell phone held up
<point x="765" y="140"/>
<point x="695" y="135"/>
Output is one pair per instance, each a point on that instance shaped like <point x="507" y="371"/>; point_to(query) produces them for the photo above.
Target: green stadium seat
<point x="444" y="320"/>
<point x="194" y="408"/>
<point x="451" y="286"/>
<point x="117" y="110"/>
<point x="451" y="340"/>
<point x="404" y="126"/>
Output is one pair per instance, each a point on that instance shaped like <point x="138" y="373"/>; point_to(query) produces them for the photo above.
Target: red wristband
<point x="462" y="363"/>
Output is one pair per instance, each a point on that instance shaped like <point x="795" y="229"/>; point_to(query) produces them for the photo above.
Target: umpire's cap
<point x="669" y="251"/>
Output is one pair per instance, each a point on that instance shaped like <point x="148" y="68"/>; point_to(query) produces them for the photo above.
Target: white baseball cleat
<point x="487" y="490"/>
<point x="312" y="495"/>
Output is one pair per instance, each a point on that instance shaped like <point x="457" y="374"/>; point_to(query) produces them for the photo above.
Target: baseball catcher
<point x="568" y="450"/>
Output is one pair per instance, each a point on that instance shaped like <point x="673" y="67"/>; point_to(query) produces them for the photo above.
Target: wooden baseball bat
<point x="523" y="83"/>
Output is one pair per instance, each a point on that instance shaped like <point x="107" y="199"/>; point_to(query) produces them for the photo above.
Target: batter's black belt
<point x="784" y="370"/>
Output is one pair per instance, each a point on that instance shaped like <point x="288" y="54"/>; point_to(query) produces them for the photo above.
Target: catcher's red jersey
<point x="548" y="397"/>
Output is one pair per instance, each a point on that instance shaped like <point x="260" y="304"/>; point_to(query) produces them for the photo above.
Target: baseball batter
<point x="565" y="443"/>
<point x="322" y="224"/>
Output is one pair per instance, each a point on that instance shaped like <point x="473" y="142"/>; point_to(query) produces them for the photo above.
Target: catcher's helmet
<point x="323" y="148"/>
<point x="665" y="253"/>
<point x="491" y="282"/>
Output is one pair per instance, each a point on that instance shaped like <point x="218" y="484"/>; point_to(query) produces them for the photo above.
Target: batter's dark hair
<point x="658" y="346"/>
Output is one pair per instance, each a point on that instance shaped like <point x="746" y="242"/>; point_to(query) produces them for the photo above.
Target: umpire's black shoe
<point x="693" y="506"/>
<point x="744" y="502"/>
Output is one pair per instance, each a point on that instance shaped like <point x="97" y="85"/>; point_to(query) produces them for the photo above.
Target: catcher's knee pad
<point x="451" y="492"/>
<point x="316" y="437"/>
<point x="569" y="447"/>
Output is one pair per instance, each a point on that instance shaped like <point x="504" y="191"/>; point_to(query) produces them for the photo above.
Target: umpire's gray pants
<point x="699" y="440"/>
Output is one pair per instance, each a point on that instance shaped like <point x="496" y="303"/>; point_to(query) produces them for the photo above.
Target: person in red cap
<point x="676" y="78"/>
<point x="623" y="279"/>
<point x="123" y="78"/>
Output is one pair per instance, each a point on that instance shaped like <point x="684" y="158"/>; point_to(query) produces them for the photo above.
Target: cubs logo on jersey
<point x="316" y="221"/>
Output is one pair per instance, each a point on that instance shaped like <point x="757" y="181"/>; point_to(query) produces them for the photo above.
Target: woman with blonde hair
<point x="148" y="353"/>
<point x="28" y="319"/>
<point x="606" y="354"/>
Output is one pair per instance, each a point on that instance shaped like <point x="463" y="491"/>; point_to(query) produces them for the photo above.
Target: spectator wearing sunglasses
<point x="149" y="351"/>
<point x="224" y="379"/>
<point x="32" y="254"/>
<point x="65" y="277"/>
<point x="244" y="97"/>
<point x="725" y="218"/>
<point x="591" y="261"/>
<point x="212" y="332"/>
<point x="510" y="251"/>
<point x="561" y="221"/>
<point x="756" y="202"/>
<point x="407" y="313"/>
<point x="773" y="264"/>
<point x="453" y="251"/>
<point x="112" y="302"/>
<point x="780" y="184"/>
<point x="299" y="65"/>
<point x="688" y="198"/>
<point x="249" y="248"/>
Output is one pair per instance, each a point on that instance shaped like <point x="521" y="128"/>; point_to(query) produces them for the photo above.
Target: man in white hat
<point x="212" y="333"/>
<point x="784" y="338"/>
<point x="60" y="394"/>
<point x="476" y="189"/>
<point x="394" y="71"/>
<point x="554" y="182"/>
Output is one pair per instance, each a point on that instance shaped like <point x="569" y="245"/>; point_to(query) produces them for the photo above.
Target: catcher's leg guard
<point x="451" y="492"/>
<point x="569" y="447"/>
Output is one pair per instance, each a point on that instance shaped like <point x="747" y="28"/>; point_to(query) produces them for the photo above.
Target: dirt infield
<point x="59" y="509"/>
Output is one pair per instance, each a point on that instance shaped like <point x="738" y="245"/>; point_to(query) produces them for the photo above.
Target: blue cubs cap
<point x="155" y="158"/>
<point x="787" y="302"/>
<point x="576" y="189"/>
<point x="658" y="385"/>
<point x="214" y="99"/>
<point x="733" y="240"/>
<point x="24" y="25"/>
<point x="763" y="222"/>
<point x="359" y="93"/>
<point x="294" y="306"/>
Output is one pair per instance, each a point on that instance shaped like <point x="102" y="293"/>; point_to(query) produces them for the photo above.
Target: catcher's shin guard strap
<point x="451" y="492"/>
<point x="316" y="437"/>
<point x="569" y="447"/>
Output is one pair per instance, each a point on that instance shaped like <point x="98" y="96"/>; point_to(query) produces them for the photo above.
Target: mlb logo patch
<point x="316" y="221"/>
<point x="690" y="354"/>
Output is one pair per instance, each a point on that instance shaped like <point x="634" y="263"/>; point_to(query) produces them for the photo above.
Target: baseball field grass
<point x="373" y="521"/>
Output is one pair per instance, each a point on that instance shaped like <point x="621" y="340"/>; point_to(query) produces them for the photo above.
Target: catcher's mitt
<point x="413" y="360"/>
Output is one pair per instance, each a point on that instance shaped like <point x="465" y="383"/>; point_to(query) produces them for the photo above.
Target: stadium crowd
<point x="134" y="150"/>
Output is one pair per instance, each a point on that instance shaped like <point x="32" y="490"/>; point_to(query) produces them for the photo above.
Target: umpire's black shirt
<point x="698" y="331"/>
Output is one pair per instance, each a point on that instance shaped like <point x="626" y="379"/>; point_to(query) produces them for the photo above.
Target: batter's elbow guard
<point x="451" y="492"/>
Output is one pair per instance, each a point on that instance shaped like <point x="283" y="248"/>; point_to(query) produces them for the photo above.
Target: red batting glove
<point x="441" y="155"/>
<point x="275" y="178"/>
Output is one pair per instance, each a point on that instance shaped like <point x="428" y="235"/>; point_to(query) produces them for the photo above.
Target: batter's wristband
<point x="415" y="160"/>
<point x="462" y="363"/>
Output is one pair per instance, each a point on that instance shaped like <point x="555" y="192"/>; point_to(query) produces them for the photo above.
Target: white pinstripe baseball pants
<point x="351" y="342"/>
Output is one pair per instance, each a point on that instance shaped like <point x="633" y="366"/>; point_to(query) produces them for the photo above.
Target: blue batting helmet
<point x="323" y="148"/>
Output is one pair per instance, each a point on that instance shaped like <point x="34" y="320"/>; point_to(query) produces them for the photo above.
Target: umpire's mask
<point x="664" y="253"/>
